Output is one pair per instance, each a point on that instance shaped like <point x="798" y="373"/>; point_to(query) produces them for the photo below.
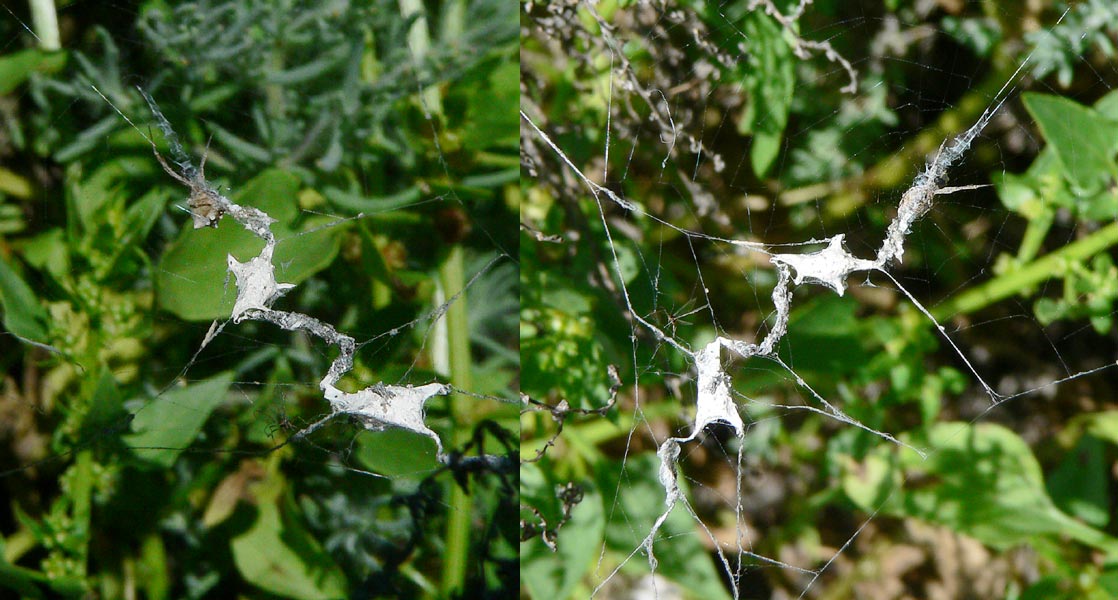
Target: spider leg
<point x="205" y="153"/>
<point x="167" y="167"/>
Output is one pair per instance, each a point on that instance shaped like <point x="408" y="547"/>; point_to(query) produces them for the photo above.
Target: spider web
<point x="259" y="384"/>
<point x="743" y="294"/>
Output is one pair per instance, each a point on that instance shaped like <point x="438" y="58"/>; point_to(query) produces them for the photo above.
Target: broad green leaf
<point x="979" y="480"/>
<point x="1079" y="485"/>
<point x="825" y="336"/>
<point x="49" y="252"/>
<point x="273" y="191"/>
<point x="548" y="574"/>
<point x="191" y="280"/>
<point x="680" y="555"/>
<point x="1107" y="106"/>
<point x="1081" y="137"/>
<point x="770" y="82"/>
<point x="281" y="557"/>
<point x="397" y="452"/>
<point x="164" y="427"/>
<point x="23" y="315"/>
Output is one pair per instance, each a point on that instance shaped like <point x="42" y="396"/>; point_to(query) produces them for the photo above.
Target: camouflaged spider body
<point x="206" y="205"/>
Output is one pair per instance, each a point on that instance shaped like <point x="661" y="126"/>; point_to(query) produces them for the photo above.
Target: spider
<point x="206" y="205"/>
<point x="282" y="422"/>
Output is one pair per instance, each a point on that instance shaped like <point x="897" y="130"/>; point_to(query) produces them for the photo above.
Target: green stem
<point x="81" y="494"/>
<point x="419" y="41"/>
<point x="1035" y="232"/>
<point x="273" y="92"/>
<point x="452" y="277"/>
<point x="1018" y="280"/>
<point x="44" y="19"/>
<point x="453" y="23"/>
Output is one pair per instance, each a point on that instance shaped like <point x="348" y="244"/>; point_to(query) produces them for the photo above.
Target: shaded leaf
<point x="281" y="557"/>
<point x="548" y="574"/>
<point x="168" y="424"/>
<point x="681" y="556"/>
<point x="1080" y="484"/>
<point x="23" y="315"/>
<point x="16" y="67"/>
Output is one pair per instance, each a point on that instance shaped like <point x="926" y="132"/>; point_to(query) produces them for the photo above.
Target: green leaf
<point x="192" y="273"/>
<point x="240" y="145"/>
<point x="1079" y="485"/>
<point x="398" y="452"/>
<point x="770" y="83"/>
<point x="1082" y="138"/>
<point x="19" y="579"/>
<point x="23" y="315"/>
<point x="1107" y="106"/>
<point x="16" y="67"/>
<point x="141" y="216"/>
<point x="548" y="574"/>
<point x="491" y="116"/>
<point x="1102" y="424"/>
<point x="979" y="480"/>
<point x="169" y="423"/>
<point x="49" y="252"/>
<point x="106" y="410"/>
<point x="273" y="191"/>
<point x="281" y="557"/>
<point x="825" y="336"/>
<point x="371" y="205"/>
<point x="680" y="555"/>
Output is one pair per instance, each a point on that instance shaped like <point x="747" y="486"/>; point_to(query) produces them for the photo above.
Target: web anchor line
<point x="829" y="267"/>
<point x="376" y="407"/>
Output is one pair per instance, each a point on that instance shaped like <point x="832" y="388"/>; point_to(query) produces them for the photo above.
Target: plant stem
<point x="453" y="21"/>
<point x="45" y="21"/>
<point x="452" y="278"/>
<point x="1025" y="277"/>
<point x="1035" y="233"/>
<point x="81" y="495"/>
<point x="419" y="41"/>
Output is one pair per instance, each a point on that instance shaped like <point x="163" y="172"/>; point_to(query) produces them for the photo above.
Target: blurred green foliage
<point x="761" y="146"/>
<point x="382" y="144"/>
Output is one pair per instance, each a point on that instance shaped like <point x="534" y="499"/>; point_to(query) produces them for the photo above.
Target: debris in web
<point x="803" y="48"/>
<point x="829" y="267"/>
<point x="376" y="407"/>
<point x="827" y="263"/>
